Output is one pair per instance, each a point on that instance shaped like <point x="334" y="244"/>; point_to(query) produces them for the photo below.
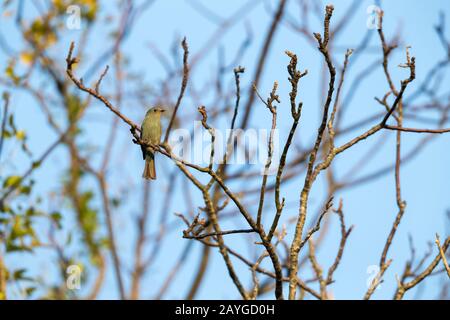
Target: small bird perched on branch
<point x="151" y="134"/>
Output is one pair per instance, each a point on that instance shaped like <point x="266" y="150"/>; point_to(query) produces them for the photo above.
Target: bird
<point x="151" y="134"/>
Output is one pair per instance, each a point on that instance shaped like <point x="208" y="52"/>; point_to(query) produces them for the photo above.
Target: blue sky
<point x="370" y="207"/>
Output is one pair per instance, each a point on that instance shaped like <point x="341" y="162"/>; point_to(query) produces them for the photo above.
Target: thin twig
<point x="4" y="117"/>
<point x="344" y="236"/>
<point x="377" y="280"/>
<point x="442" y="253"/>
<point x="296" y="111"/>
<point x="184" y="81"/>
<point x="222" y="233"/>
<point x="262" y="59"/>
<point x="273" y="110"/>
<point x="403" y="287"/>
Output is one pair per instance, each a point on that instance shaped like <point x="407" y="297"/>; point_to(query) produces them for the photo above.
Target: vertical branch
<point x="331" y="130"/>
<point x="205" y="254"/>
<point x="397" y="105"/>
<point x="237" y="71"/>
<point x="99" y="279"/>
<point x="344" y="236"/>
<point x="4" y="117"/>
<point x="400" y="203"/>
<point x="317" y="269"/>
<point x="295" y="247"/>
<point x="377" y="280"/>
<point x="183" y="87"/>
<point x="111" y="236"/>
<point x="141" y="223"/>
<point x="216" y="195"/>
<point x="119" y="94"/>
<point x="273" y="110"/>
<point x="3" y="278"/>
<point x="262" y="59"/>
<point x="222" y="248"/>
<point x="387" y="50"/>
<point x="212" y="213"/>
<point x="442" y="253"/>
<point x="269" y="246"/>
<point x="175" y="270"/>
<point x="294" y="78"/>
<point x="202" y="111"/>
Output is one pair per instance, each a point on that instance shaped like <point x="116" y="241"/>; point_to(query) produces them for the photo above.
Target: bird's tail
<point x="149" y="169"/>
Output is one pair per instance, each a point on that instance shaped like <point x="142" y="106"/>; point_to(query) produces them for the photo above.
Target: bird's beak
<point x="163" y="110"/>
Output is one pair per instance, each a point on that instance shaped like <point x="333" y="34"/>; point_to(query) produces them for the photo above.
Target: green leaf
<point x="25" y="190"/>
<point x="69" y="239"/>
<point x="4" y="220"/>
<point x="56" y="217"/>
<point x="11" y="122"/>
<point x="20" y="135"/>
<point x="12" y="181"/>
<point x="115" y="202"/>
<point x="74" y="107"/>
<point x="36" y="164"/>
<point x="18" y="274"/>
<point x="11" y="247"/>
<point x="7" y="209"/>
<point x="7" y="134"/>
<point x="10" y="73"/>
<point x="29" y="291"/>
